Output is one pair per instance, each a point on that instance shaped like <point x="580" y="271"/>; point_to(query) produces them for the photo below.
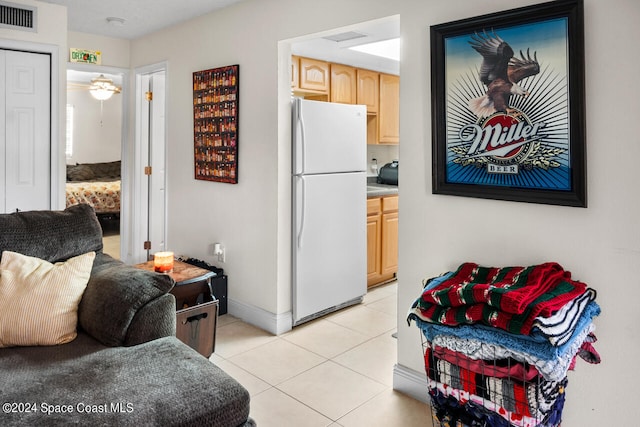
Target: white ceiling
<point x="143" y="17"/>
<point x="317" y="46"/>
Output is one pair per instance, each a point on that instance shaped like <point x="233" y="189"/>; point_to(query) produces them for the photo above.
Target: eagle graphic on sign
<point x="500" y="72"/>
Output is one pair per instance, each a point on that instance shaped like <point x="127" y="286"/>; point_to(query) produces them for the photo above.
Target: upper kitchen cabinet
<point x="310" y="78"/>
<point x="343" y="84"/>
<point x="368" y="94"/>
<point x="368" y="89"/>
<point x="389" y="110"/>
<point x="314" y="75"/>
<point x="295" y="72"/>
<point x="324" y="81"/>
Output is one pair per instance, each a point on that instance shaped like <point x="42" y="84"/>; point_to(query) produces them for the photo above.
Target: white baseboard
<point x="411" y="383"/>
<point x="274" y="323"/>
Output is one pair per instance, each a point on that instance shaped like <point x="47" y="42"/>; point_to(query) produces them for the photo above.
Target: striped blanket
<point x="509" y="298"/>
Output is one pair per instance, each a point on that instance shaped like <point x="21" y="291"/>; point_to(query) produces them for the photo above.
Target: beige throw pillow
<point x="39" y="300"/>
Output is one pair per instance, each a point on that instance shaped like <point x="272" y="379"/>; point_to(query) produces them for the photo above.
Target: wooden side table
<point x="196" y="305"/>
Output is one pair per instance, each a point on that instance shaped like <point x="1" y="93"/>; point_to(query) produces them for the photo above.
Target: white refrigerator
<point x="329" y="196"/>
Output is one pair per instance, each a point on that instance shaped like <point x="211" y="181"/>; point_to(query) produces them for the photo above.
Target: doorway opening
<point x="326" y="49"/>
<point x="96" y="135"/>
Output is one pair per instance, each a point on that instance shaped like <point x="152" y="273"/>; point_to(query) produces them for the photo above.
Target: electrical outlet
<point x="218" y="250"/>
<point x="374" y="165"/>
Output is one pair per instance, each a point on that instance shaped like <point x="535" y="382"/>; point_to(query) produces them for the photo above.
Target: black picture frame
<point x="539" y="112"/>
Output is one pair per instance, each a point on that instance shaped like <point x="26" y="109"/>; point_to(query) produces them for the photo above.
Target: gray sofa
<point x="125" y="367"/>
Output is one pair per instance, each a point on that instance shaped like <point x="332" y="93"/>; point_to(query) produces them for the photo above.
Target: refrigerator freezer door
<point x="328" y="137"/>
<point x="329" y="242"/>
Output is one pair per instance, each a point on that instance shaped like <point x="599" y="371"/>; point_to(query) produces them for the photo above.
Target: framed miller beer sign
<point x="508" y="105"/>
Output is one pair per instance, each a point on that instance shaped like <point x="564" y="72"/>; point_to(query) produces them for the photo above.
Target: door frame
<point x="136" y="224"/>
<point x="57" y="158"/>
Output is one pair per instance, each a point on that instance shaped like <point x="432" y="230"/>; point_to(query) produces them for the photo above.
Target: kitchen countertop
<point x="377" y="190"/>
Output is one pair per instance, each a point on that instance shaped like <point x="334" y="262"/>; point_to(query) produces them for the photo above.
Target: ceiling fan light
<point x="102" y="88"/>
<point x="101" y="94"/>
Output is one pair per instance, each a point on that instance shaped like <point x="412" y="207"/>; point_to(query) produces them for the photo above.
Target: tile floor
<point x="111" y="237"/>
<point x="334" y="371"/>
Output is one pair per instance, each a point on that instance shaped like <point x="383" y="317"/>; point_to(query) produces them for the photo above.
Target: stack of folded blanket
<point x="500" y="341"/>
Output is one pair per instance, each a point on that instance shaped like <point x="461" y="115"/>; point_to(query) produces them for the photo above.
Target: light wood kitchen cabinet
<point x="343" y="84"/>
<point x="379" y="92"/>
<point x="368" y="89"/>
<point x="372" y="129"/>
<point x="382" y="239"/>
<point x="295" y="72"/>
<point x="389" y="257"/>
<point x="368" y="94"/>
<point x="314" y="75"/>
<point x="374" y="239"/>
<point x="389" y="110"/>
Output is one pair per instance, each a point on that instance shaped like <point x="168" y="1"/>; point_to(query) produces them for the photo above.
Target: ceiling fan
<point x="101" y="87"/>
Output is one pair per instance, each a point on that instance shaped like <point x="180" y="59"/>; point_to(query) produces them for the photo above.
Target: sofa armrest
<point x="124" y="305"/>
<point x="154" y="320"/>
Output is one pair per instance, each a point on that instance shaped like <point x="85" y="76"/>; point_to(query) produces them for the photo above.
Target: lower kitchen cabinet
<point x="374" y="239"/>
<point x="382" y="239"/>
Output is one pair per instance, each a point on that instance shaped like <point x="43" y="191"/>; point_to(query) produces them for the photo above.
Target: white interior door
<point x="150" y="199"/>
<point x="25" y="113"/>
<point x="157" y="179"/>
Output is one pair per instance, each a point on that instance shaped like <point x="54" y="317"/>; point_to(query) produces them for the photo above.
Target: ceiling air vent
<point x="17" y="16"/>
<point x="343" y="37"/>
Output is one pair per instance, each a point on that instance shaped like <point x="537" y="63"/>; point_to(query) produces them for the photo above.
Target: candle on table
<point x="163" y="262"/>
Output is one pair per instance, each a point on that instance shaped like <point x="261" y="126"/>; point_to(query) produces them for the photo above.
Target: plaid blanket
<point x="499" y="368"/>
<point x="509" y="298"/>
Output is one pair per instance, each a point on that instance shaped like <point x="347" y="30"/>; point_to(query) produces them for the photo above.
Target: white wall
<point x="97" y="131"/>
<point x="115" y="52"/>
<point x="245" y="217"/>
<point x="600" y="245"/>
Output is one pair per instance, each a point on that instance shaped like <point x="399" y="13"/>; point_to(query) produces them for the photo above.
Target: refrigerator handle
<point x="302" y="211"/>
<point x="303" y="156"/>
